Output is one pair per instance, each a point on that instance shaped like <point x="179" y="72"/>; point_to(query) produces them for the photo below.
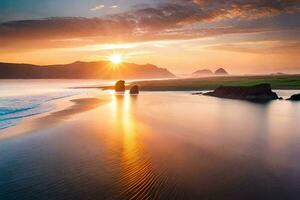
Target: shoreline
<point x="66" y="108"/>
<point x="280" y="82"/>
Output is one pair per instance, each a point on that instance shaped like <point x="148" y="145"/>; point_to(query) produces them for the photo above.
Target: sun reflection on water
<point x="135" y="168"/>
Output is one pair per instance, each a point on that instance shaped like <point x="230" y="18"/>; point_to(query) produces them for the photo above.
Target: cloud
<point x="260" y="47"/>
<point x="255" y="9"/>
<point x="175" y="19"/>
<point x="114" y="6"/>
<point x="97" y="8"/>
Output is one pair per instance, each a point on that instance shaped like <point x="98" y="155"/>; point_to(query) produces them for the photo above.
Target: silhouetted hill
<point x="83" y="70"/>
<point x="203" y="72"/>
<point x="221" y="71"/>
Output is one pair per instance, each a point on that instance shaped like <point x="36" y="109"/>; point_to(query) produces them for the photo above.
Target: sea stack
<point x="258" y="93"/>
<point x="134" y="89"/>
<point x="221" y="71"/>
<point x="120" y="86"/>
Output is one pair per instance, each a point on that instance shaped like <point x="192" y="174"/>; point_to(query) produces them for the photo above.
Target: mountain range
<point x="82" y="70"/>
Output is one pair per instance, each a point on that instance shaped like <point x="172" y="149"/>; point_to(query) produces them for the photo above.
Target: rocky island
<point x="261" y="92"/>
<point x="295" y="97"/>
<point x="203" y="72"/>
<point x="207" y="72"/>
<point x="221" y="72"/>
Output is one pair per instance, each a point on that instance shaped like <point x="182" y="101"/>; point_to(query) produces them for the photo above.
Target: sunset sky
<point x="243" y="36"/>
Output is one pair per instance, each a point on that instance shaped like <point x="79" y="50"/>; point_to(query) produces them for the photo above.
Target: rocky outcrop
<point x="295" y="97"/>
<point x="221" y="71"/>
<point x="262" y="92"/>
<point x="120" y="86"/>
<point x="134" y="89"/>
<point x="203" y="72"/>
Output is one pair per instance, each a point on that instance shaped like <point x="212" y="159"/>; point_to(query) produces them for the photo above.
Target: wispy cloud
<point x="97" y="8"/>
<point x="260" y="47"/>
<point x="114" y="6"/>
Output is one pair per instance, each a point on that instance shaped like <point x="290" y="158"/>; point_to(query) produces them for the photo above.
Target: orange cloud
<point x="172" y="20"/>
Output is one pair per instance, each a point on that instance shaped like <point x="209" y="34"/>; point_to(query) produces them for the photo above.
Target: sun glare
<point x="116" y="58"/>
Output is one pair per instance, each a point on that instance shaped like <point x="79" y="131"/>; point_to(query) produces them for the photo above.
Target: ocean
<point x="20" y="99"/>
<point x="155" y="145"/>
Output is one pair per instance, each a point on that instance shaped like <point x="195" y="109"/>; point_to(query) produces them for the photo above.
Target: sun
<point x="115" y="58"/>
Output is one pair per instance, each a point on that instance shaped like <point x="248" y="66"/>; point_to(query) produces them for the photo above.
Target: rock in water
<point x="295" y="97"/>
<point x="221" y="71"/>
<point x="134" y="89"/>
<point x="261" y="92"/>
<point x="120" y="86"/>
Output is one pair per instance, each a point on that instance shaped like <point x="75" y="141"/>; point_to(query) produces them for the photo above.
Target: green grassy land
<point x="210" y="83"/>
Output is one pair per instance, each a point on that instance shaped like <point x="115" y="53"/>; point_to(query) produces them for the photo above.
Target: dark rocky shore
<point x="295" y="97"/>
<point x="261" y="92"/>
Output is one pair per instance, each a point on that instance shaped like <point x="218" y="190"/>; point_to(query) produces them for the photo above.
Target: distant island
<point x="208" y="72"/>
<point x="83" y="70"/>
<point x="221" y="71"/>
<point x="203" y="72"/>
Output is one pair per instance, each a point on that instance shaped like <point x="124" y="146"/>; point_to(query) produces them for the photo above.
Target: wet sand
<point x="66" y="109"/>
<point x="156" y="146"/>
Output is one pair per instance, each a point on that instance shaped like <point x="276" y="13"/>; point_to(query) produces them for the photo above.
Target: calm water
<point x="169" y="145"/>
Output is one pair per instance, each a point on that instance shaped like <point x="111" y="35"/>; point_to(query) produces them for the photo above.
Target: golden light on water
<point x="116" y="58"/>
<point x="136" y="173"/>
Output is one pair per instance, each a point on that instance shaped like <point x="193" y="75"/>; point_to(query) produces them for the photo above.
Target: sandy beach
<point x="112" y="146"/>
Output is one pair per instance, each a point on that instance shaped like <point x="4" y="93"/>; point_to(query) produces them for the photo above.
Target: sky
<point x="243" y="36"/>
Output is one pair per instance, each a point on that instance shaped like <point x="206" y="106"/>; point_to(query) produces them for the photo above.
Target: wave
<point x="5" y="111"/>
<point x="14" y="109"/>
